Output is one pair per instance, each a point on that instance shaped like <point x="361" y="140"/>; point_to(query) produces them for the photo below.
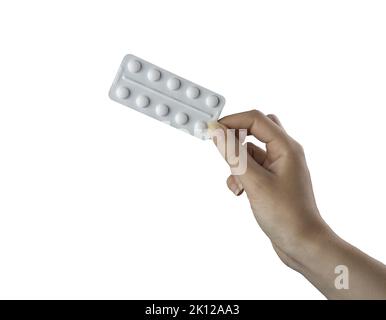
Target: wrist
<point x="314" y="249"/>
<point x="309" y="247"/>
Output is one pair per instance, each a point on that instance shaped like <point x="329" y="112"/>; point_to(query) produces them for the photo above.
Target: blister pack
<point x="165" y="96"/>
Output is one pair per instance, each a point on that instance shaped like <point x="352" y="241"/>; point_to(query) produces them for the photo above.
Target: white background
<point x="99" y="201"/>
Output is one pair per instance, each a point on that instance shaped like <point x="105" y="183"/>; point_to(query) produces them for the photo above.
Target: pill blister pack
<point x="165" y="96"/>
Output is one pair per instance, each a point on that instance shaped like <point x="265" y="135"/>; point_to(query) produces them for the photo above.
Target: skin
<point x="279" y="189"/>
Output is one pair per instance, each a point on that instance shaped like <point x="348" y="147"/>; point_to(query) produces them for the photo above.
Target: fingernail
<point x="212" y="127"/>
<point x="235" y="189"/>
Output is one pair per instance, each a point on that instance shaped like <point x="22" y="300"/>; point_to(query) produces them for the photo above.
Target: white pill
<point x="192" y="92"/>
<point x="162" y="110"/>
<point x="200" y="126"/>
<point x="154" y="75"/>
<point x="181" y="118"/>
<point x="122" y="92"/>
<point x="134" y="66"/>
<point x="142" y="101"/>
<point x="212" y="101"/>
<point x="173" y="84"/>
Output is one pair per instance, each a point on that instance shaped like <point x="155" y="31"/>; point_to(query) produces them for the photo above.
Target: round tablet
<point x="212" y="101"/>
<point x="173" y="84"/>
<point x="162" y="110"/>
<point x="134" y="66"/>
<point x="142" y="101"/>
<point x="122" y="92"/>
<point x="181" y="118"/>
<point x="154" y="75"/>
<point x="200" y="126"/>
<point x="192" y="92"/>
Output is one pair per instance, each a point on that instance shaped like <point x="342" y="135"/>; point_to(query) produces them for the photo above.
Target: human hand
<point x="277" y="183"/>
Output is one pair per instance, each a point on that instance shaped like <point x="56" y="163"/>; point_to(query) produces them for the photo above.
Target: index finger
<point x="257" y="124"/>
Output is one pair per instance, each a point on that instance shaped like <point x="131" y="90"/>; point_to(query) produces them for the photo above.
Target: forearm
<point x="341" y="271"/>
<point x="279" y="189"/>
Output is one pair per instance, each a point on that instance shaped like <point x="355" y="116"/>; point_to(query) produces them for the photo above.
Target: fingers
<point x="256" y="153"/>
<point x="234" y="184"/>
<point x="275" y="119"/>
<point x="242" y="163"/>
<point x="259" y="155"/>
<point x="264" y="128"/>
<point x="258" y="124"/>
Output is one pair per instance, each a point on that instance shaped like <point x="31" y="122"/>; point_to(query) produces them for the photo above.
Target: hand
<point x="278" y="186"/>
<point x="277" y="183"/>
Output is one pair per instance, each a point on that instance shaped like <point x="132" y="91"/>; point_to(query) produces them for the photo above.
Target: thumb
<point x="242" y="165"/>
<point x="234" y="184"/>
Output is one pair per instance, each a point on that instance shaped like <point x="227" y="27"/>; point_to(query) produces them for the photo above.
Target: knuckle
<point x="297" y="148"/>
<point x="256" y="113"/>
<point x="293" y="147"/>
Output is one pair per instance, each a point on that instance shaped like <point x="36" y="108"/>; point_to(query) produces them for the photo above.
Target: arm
<point x="279" y="189"/>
